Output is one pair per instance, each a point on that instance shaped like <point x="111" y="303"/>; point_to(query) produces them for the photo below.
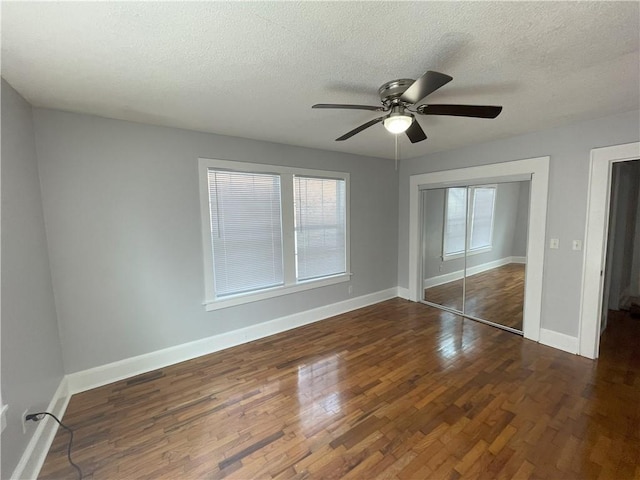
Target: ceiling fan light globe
<point x="397" y="123"/>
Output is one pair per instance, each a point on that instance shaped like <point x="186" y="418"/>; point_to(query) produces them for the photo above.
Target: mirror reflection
<point x="474" y="250"/>
<point x="444" y="281"/>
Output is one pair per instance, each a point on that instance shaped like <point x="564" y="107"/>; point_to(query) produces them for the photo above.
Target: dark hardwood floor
<point x="397" y="390"/>
<point x="496" y="295"/>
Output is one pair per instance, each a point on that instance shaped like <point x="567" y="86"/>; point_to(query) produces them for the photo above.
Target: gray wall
<point x="569" y="148"/>
<point x="122" y="209"/>
<point x="522" y="221"/>
<point x="31" y="353"/>
<point x="506" y="240"/>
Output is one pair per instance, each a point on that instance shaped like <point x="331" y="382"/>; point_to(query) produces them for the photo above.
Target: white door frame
<point x="595" y="242"/>
<point x="539" y="170"/>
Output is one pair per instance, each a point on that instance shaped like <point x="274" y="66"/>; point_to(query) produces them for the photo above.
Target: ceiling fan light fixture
<point x="398" y="122"/>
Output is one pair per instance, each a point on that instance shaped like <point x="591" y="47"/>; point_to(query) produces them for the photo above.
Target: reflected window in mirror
<point x="479" y="201"/>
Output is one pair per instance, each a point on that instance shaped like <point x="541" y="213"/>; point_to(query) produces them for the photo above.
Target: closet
<point x="474" y="247"/>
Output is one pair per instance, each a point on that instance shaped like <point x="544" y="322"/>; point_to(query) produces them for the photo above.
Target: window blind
<point x="246" y="231"/>
<point x="482" y="219"/>
<point x="455" y="221"/>
<point x="320" y="227"/>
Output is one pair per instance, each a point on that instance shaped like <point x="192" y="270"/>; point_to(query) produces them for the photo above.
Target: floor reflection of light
<point x="448" y="349"/>
<point x="450" y="341"/>
<point x="318" y="393"/>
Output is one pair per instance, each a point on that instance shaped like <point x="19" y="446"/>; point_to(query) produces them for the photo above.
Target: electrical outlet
<point x="350" y="289"/>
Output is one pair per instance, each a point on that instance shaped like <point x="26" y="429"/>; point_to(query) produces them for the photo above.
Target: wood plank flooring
<point x="496" y="295"/>
<point x="398" y="390"/>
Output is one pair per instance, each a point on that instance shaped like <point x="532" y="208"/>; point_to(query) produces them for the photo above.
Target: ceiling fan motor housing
<point x="391" y="91"/>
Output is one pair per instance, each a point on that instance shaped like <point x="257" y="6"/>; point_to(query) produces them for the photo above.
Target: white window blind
<point x="473" y="229"/>
<point x="320" y="227"/>
<point x="246" y="231"/>
<point x="482" y="217"/>
<point x="271" y="230"/>
<point x="455" y="221"/>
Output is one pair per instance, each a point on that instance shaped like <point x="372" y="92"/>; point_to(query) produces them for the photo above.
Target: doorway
<point x="622" y="264"/>
<point x="598" y="208"/>
<point x="619" y="320"/>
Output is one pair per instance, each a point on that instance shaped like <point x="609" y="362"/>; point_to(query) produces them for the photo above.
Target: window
<point x="246" y="231"/>
<point x="455" y="222"/>
<point x="271" y="230"/>
<point x="320" y="224"/>
<point x="481" y="229"/>
<point x="479" y="202"/>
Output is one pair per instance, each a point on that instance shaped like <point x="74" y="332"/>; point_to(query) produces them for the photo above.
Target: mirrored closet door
<point x="474" y="250"/>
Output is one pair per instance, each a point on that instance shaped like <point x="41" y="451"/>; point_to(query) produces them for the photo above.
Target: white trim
<point x="559" y="340"/>
<point x="3" y="414"/>
<point x="595" y="242"/>
<point x="275" y="292"/>
<point x="468" y="253"/>
<point x="471" y="271"/>
<point x="291" y="284"/>
<point x="403" y="293"/>
<point x="36" y="451"/>
<point x="539" y="170"/>
<point x="444" y="278"/>
<point x="112" y="372"/>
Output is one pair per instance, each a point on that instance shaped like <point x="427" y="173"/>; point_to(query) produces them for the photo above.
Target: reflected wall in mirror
<point x="474" y="250"/>
<point x="443" y="283"/>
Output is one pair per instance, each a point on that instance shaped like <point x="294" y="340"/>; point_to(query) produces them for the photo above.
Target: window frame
<point x="291" y="284"/>
<point x="469" y="223"/>
<point x="300" y="227"/>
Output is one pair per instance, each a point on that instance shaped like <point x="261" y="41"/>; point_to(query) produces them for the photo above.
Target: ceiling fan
<point x="398" y="97"/>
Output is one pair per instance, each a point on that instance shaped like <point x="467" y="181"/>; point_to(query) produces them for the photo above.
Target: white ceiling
<point x="254" y="69"/>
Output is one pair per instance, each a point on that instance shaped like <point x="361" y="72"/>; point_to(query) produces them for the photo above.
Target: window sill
<point x="232" y="301"/>
<point x="469" y="253"/>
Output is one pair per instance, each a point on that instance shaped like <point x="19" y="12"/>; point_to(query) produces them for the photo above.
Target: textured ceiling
<point x="254" y="69"/>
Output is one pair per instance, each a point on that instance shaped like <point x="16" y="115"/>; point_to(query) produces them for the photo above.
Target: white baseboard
<point x="36" y="451"/>
<point x="442" y="279"/>
<point x="112" y="372"/>
<point x="403" y="293"/>
<point x="458" y="274"/>
<point x="558" y="340"/>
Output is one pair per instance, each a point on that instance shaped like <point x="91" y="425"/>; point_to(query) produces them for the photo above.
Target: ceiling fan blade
<point x="415" y="132"/>
<point x="425" y="85"/>
<point x="479" y="111"/>
<point x="360" y="128"/>
<point x="349" y="107"/>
